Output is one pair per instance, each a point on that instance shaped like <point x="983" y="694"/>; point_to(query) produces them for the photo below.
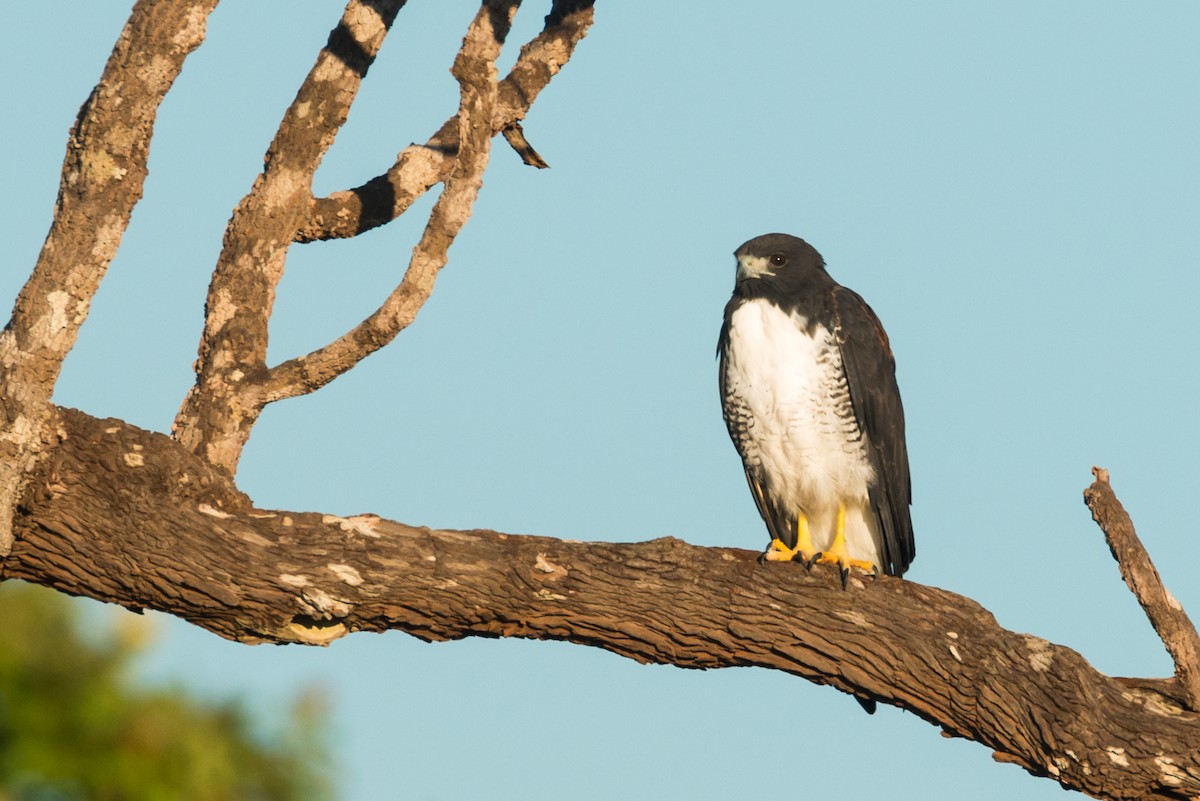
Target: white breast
<point x="790" y="416"/>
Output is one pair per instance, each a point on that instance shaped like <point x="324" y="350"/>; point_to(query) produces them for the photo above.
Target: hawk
<point x="809" y="394"/>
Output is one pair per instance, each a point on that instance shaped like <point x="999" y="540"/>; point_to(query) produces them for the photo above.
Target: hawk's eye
<point x="777" y="259"/>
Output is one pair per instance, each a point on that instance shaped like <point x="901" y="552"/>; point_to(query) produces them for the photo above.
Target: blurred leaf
<point x="73" y="726"/>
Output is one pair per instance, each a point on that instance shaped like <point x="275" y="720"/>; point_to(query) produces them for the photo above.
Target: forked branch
<point x="475" y="70"/>
<point x="420" y="167"/>
<point x="233" y="382"/>
<point x="221" y="408"/>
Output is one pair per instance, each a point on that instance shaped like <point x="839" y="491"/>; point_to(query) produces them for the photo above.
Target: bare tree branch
<point x="1166" y="615"/>
<point x="102" y="177"/>
<point x="419" y="167"/>
<point x="233" y="383"/>
<point x="129" y="516"/>
<point x="475" y="70"/>
<point x="221" y="408"/>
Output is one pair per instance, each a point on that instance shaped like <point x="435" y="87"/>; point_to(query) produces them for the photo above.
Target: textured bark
<point x="129" y="516"/>
<point x="102" y="177"/>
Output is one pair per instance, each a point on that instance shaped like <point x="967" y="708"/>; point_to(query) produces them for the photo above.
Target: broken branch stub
<point x="1166" y="614"/>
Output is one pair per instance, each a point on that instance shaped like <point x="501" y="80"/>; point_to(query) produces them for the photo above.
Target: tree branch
<point x="419" y="167"/>
<point x="102" y="177"/>
<point x="1166" y="615"/>
<point x="221" y="408"/>
<point x="475" y="70"/>
<point x="128" y="516"/>
<point x="233" y="383"/>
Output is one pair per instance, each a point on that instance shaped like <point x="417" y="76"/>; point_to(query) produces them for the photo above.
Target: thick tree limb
<point x="419" y="167"/>
<point x="475" y="70"/>
<point x="102" y="177"/>
<point x="1166" y="615"/>
<point x="129" y="516"/>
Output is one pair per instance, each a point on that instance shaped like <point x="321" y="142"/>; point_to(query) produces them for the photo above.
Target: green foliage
<point x="75" y="727"/>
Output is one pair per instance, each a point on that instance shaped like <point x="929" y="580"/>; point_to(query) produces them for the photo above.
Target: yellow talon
<point x="778" y="552"/>
<point x="804" y="543"/>
<point x="836" y="555"/>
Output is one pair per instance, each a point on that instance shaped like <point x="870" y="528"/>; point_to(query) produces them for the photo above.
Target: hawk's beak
<point x="752" y="267"/>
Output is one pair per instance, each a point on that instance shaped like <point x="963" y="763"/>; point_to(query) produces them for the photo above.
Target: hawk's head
<point x="780" y="258"/>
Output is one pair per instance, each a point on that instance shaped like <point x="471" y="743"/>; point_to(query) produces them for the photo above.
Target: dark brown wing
<point x="871" y="376"/>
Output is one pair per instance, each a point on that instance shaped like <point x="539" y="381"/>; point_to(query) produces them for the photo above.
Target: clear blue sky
<point x="1014" y="187"/>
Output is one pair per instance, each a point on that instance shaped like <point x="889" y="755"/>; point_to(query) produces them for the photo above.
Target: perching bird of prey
<point x="808" y="389"/>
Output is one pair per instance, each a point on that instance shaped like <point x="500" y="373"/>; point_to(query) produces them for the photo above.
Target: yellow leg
<point x="836" y="555"/>
<point x="778" y="552"/>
